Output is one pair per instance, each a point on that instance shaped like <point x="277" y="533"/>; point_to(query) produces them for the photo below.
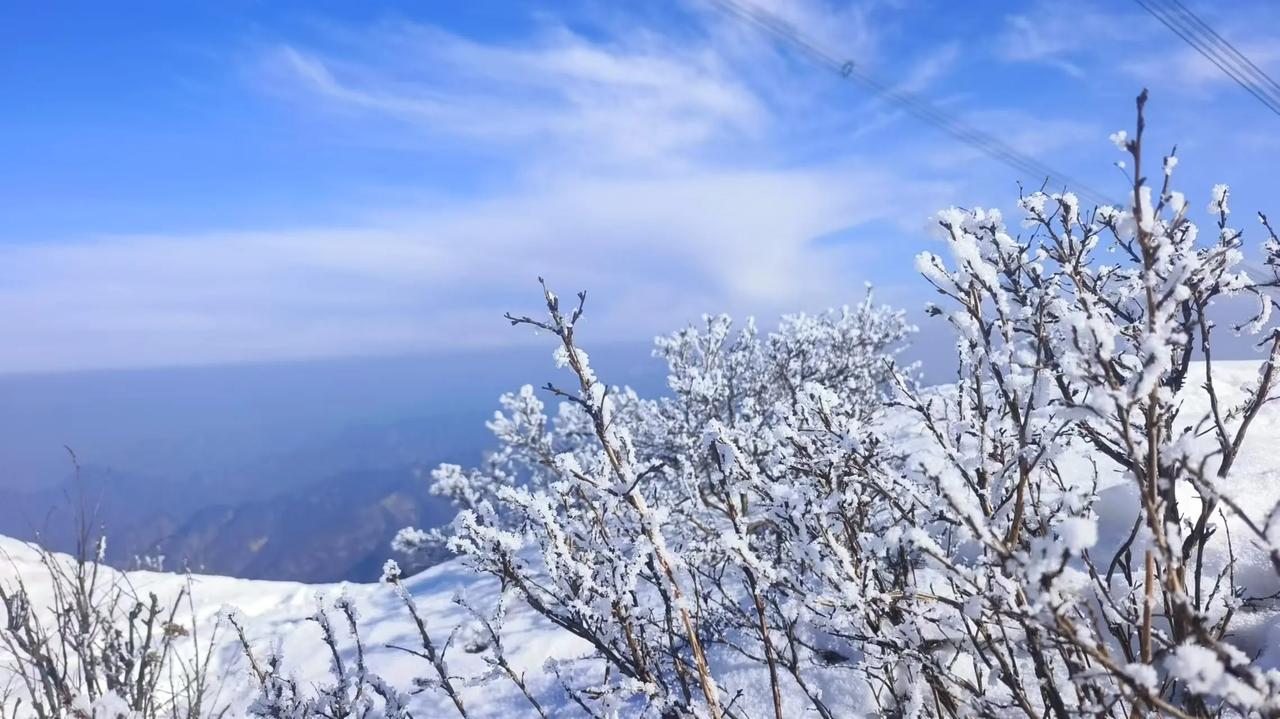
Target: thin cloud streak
<point x="719" y="240"/>
<point x="639" y="166"/>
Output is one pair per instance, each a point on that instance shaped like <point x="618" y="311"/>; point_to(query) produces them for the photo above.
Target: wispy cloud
<point x="1064" y="36"/>
<point x="655" y="169"/>
<point x="1186" y="70"/>
<point x="1080" y="38"/>
<point x="668" y="172"/>
<point x="653" y="251"/>
<point x="640" y="98"/>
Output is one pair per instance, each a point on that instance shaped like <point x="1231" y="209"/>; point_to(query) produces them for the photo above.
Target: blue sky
<point x="192" y="183"/>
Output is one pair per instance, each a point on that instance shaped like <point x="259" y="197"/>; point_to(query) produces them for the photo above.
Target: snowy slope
<point x="274" y="613"/>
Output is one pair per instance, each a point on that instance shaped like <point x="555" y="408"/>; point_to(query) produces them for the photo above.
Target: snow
<point x="274" y="616"/>
<point x="274" y="613"/>
<point x="1078" y="533"/>
<point x="1218" y="203"/>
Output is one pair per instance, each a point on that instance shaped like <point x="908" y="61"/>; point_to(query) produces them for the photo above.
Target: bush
<point x="99" y="649"/>
<point x="800" y="527"/>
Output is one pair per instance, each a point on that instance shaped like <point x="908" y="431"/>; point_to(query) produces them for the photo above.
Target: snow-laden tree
<point x="1061" y="349"/>
<point x="800" y="528"/>
<point x="615" y="519"/>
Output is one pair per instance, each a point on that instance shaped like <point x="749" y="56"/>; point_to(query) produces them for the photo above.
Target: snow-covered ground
<point x="274" y="613"/>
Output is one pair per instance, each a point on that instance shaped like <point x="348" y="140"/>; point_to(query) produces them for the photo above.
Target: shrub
<point x="99" y="649"/>
<point x="800" y="527"/>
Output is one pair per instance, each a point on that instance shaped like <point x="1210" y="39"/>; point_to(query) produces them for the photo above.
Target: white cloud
<point x="714" y="240"/>
<point x="646" y="168"/>
<point x="668" y="172"/>
<point x="641" y="100"/>
<point x="1185" y="69"/>
<point x="1085" y="39"/>
<point x="1070" y="37"/>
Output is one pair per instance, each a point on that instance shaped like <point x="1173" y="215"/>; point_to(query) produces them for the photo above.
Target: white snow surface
<point x="274" y="613"/>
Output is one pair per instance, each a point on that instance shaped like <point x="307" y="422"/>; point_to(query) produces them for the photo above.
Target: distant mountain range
<point x="292" y="470"/>
<point x="337" y="528"/>
<point x="284" y="516"/>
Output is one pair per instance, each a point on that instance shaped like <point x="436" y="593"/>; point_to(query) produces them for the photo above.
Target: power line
<point x="1258" y="72"/>
<point x="1199" y="35"/>
<point x="1235" y="64"/>
<point x="912" y="103"/>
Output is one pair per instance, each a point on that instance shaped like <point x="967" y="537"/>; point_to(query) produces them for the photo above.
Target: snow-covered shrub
<point x="77" y="640"/>
<point x="355" y="692"/>
<point x="1062" y="350"/>
<point x="800" y="528"/>
<point x="616" y="520"/>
